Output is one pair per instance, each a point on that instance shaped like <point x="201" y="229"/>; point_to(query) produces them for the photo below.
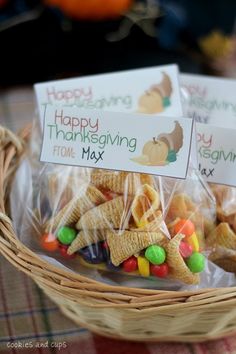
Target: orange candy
<point x="49" y="242"/>
<point x="185" y="227"/>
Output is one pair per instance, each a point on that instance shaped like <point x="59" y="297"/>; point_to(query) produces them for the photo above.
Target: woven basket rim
<point x="12" y="149"/>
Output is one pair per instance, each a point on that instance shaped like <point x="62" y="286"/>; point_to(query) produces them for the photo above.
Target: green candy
<point x="155" y="254"/>
<point x="171" y="156"/>
<point x="196" y="262"/>
<point x="66" y="235"/>
<point x="166" y="101"/>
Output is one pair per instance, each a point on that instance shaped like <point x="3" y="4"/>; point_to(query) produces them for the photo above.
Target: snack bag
<point x="223" y="237"/>
<point x="226" y="204"/>
<point x="212" y="101"/>
<point x="129" y="222"/>
<point x="191" y="212"/>
<point x="119" y="221"/>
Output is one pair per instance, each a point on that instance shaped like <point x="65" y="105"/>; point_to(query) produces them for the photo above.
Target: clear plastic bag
<point x="222" y="239"/>
<point x="193" y="200"/>
<point x="204" y="100"/>
<point x="40" y="192"/>
<point x="226" y="204"/>
<point x="111" y="224"/>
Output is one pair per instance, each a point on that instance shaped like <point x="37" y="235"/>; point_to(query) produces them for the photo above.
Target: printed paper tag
<point x="217" y="154"/>
<point x="213" y="101"/>
<point x="209" y="100"/>
<point x="129" y="142"/>
<point x="150" y="91"/>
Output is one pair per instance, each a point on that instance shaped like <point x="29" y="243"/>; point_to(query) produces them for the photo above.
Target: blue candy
<point x="111" y="266"/>
<point x="93" y="254"/>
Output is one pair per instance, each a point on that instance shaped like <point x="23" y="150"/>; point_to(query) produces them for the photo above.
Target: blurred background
<point x="50" y="39"/>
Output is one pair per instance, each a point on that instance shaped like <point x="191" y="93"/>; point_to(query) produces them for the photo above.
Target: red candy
<point x="130" y="264"/>
<point x="105" y="245"/>
<point x="185" y="227"/>
<point x="109" y="195"/>
<point x="160" y="271"/>
<point x="49" y="242"/>
<point x="63" y="251"/>
<point x="185" y="249"/>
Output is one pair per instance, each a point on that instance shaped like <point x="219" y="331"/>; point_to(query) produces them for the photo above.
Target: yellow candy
<point x="193" y="241"/>
<point x="143" y="266"/>
<point x="142" y="224"/>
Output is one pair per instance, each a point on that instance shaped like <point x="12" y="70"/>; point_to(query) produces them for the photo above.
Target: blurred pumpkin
<point x="91" y="9"/>
<point x="3" y="2"/>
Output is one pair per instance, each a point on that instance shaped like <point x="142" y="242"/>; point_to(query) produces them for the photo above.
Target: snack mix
<point x="116" y="222"/>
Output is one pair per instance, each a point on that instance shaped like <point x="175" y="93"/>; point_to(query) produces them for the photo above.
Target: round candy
<point x="86" y="254"/>
<point x="93" y="254"/>
<point x="111" y="266"/>
<point x="66" y="235"/>
<point x="155" y="254"/>
<point x="142" y="223"/>
<point x="109" y="195"/>
<point x="97" y="253"/>
<point x="105" y="250"/>
<point x="130" y="264"/>
<point x="105" y="245"/>
<point x="185" y="227"/>
<point x="160" y="271"/>
<point x="196" y="262"/>
<point x="143" y="266"/>
<point x="185" y="249"/>
<point x="49" y="242"/>
<point x="63" y="251"/>
<point x="193" y="242"/>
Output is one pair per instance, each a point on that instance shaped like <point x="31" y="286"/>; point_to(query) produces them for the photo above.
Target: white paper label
<point x="150" y="91"/>
<point x="209" y="100"/>
<point x="129" y="142"/>
<point x="217" y="154"/>
<point x="212" y="101"/>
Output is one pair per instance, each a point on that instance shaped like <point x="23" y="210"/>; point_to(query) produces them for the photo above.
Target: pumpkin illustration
<point x="150" y="102"/>
<point x="92" y="9"/>
<point x="156" y="151"/>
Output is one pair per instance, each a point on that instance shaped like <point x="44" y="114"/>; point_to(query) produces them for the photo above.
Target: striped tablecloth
<point x="30" y="323"/>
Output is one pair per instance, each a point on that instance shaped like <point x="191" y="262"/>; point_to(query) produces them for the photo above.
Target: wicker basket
<point x="113" y="311"/>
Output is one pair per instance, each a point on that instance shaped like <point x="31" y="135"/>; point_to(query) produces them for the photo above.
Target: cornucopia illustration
<point x="157" y="97"/>
<point x="162" y="150"/>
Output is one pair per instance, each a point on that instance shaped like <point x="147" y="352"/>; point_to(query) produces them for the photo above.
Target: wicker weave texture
<point x="118" y="312"/>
